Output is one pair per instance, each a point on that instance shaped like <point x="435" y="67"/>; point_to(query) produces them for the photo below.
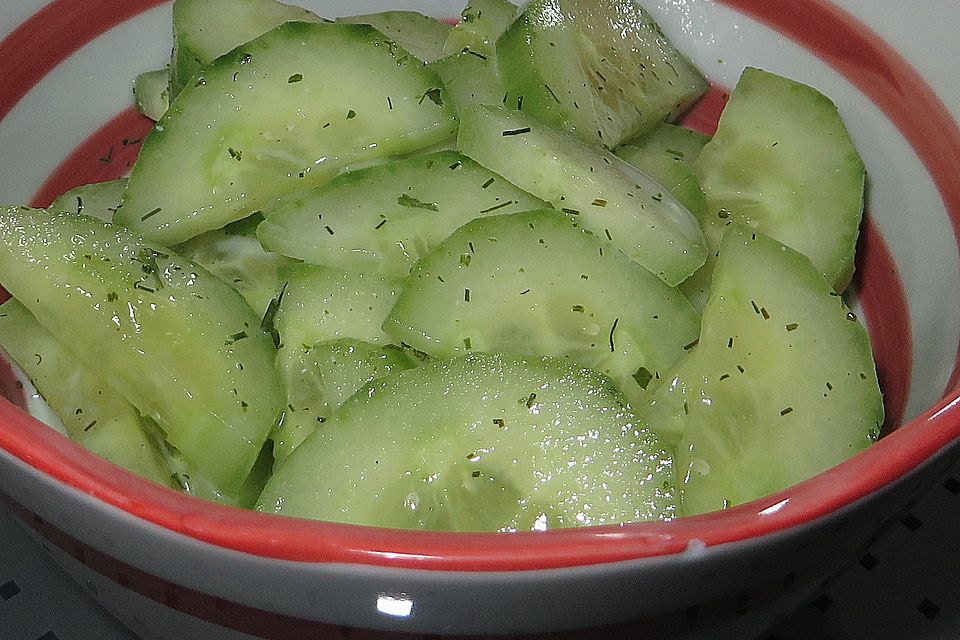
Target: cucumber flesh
<point x="470" y="79"/>
<point x="783" y="162"/>
<point x="321" y="304"/>
<point x="536" y="284"/>
<point x="602" y="70"/>
<point x="204" y="30"/>
<point x="674" y="141"/>
<point x="265" y="122"/>
<point x="419" y="34"/>
<point x="152" y="93"/>
<point x="100" y="199"/>
<point x="94" y="415"/>
<point x="173" y="340"/>
<point x="481" y="23"/>
<point x="612" y="199"/>
<point x="491" y="442"/>
<point x="780" y="387"/>
<point x="383" y="218"/>
<point x="234" y="255"/>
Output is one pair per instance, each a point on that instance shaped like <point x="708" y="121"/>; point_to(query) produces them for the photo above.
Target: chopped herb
<point x="389" y="103"/>
<point x="724" y="376"/>
<point x="723" y="214"/>
<point x="550" y="91"/>
<point x="112" y="296"/>
<point x="236" y="155"/>
<point x="474" y="53"/>
<point x="686" y="408"/>
<point x="465" y="259"/>
<point x="525" y="292"/>
<point x="755" y="307"/>
<point x="244" y="406"/>
<point x="599" y="202"/>
<point x="147" y="216"/>
<point x="235" y="337"/>
<point x="519" y="103"/>
<point x="658" y="197"/>
<point x="470" y="244"/>
<point x="268" y="323"/>
<point x="572" y="212"/>
<point x="466" y="295"/>
<point x="297" y="77"/>
<point x="687" y="347"/>
<point x="792" y="326"/>
<point x="90" y="426"/>
<point x="531" y="400"/>
<point x="584" y="276"/>
<point x="487" y="183"/>
<point x="739" y="368"/>
<point x="578" y="308"/>
<point x="381" y="223"/>
<point x="516" y="132"/>
<point x="499" y="206"/>
<point x="607" y="232"/>
<point x="730" y="343"/>
<point x="643" y="377"/>
<point x="467" y="343"/>
<point x="612" y="329"/>
<point x="408" y="201"/>
<point x="107" y="159"/>
<point x="475" y="474"/>
<point x="499" y="422"/>
<point x="785" y="411"/>
<point x="79" y="205"/>
<point x="351" y="114"/>
<point x="764" y="313"/>
<point x="329" y="230"/>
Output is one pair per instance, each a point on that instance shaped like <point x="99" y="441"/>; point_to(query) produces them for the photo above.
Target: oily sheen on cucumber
<point x="172" y="339"/>
<point x="780" y="386"/>
<point x="269" y="119"/>
<point x="483" y="442"/>
<point x="536" y="283"/>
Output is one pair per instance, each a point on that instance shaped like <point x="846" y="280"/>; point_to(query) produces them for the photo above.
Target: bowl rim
<point x="824" y="29"/>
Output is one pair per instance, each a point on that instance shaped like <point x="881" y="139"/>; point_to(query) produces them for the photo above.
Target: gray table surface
<point x="903" y="587"/>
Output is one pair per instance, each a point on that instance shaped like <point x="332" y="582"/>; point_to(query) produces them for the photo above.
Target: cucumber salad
<point x="385" y="271"/>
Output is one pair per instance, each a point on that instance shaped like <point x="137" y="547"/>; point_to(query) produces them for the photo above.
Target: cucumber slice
<point x="481" y="23"/>
<point x="234" y="255"/>
<point x="470" y="79"/>
<point x="204" y="30"/>
<point x="321" y="304"/>
<point x="383" y="218"/>
<point x="420" y="35"/>
<point x="152" y="93"/>
<point x="94" y="415"/>
<point x="264" y="122"/>
<point x="612" y="198"/>
<point x="781" y="386"/>
<point x="602" y="70"/>
<point x="492" y="442"/>
<point x="535" y="284"/>
<point x="173" y="340"/>
<point x="674" y="141"/>
<point x="346" y="365"/>
<point x="99" y="200"/>
<point x="783" y="162"/>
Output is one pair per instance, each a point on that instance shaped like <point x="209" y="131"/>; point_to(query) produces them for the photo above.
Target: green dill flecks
<point x="147" y="216"/>
<point x="686" y="408"/>
<point x="612" y="330"/>
<point x="235" y="154"/>
<point x="516" y="132"/>
<point x="573" y="212"/>
<point x="552" y="94"/>
<point x="112" y="296"/>
<point x="389" y="103"/>
<point x="465" y="259"/>
<point x="381" y="223"/>
<point x="723" y="214"/>
<point x="351" y="114"/>
<point x="90" y="425"/>
<point x="329" y="230"/>
<point x="107" y="159"/>
<point x="519" y="103"/>
<point x="792" y="326"/>
<point x="470" y="244"/>
<point x="467" y="344"/>
<point x="79" y="205"/>
<point x="474" y="53"/>
<point x="687" y="347"/>
<point x="607" y="233"/>
<point x="756" y="309"/>
<point x="739" y="368"/>
<point x="268" y="323"/>
<point x="764" y="313"/>
<point x="829" y="387"/>
<point x="657" y="198"/>
<point x="487" y="183"/>
<point x="599" y="202"/>
<point x="530" y="401"/>
<point x="244" y="406"/>
<point x="584" y="276"/>
<point x="499" y="206"/>
<point x="235" y="337"/>
<point x="500" y="422"/>
<point x="724" y="377"/>
<point x="786" y="410"/>
<point x="466" y="295"/>
<point x="297" y="77"/>
<point x="525" y="292"/>
<point x="730" y="343"/>
<point x="578" y="308"/>
<point x="475" y="474"/>
<point x="643" y="377"/>
<point x="409" y="201"/>
<point x="38" y="357"/>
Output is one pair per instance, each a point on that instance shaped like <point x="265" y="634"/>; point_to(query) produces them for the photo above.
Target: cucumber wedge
<point x="601" y="69"/>
<point x="612" y="199"/>
<point x="419" y="34"/>
<point x="783" y="162"/>
<point x="481" y="23"/>
<point x="173" y="340"/>
<point x="266" y="121"/>
<point x="100" y="199"/>
<point x="780" y="387"/>
<point x="152" y="92"/>
<point x="490" y="442"/>
<point x="536" y="284"/>
<point x="383" y="218"/>
<point x="204" y="30"/>
<point x="94" y="415"/>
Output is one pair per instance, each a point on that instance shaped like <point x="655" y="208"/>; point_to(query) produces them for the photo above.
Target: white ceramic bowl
<point x="172" y="567"/>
